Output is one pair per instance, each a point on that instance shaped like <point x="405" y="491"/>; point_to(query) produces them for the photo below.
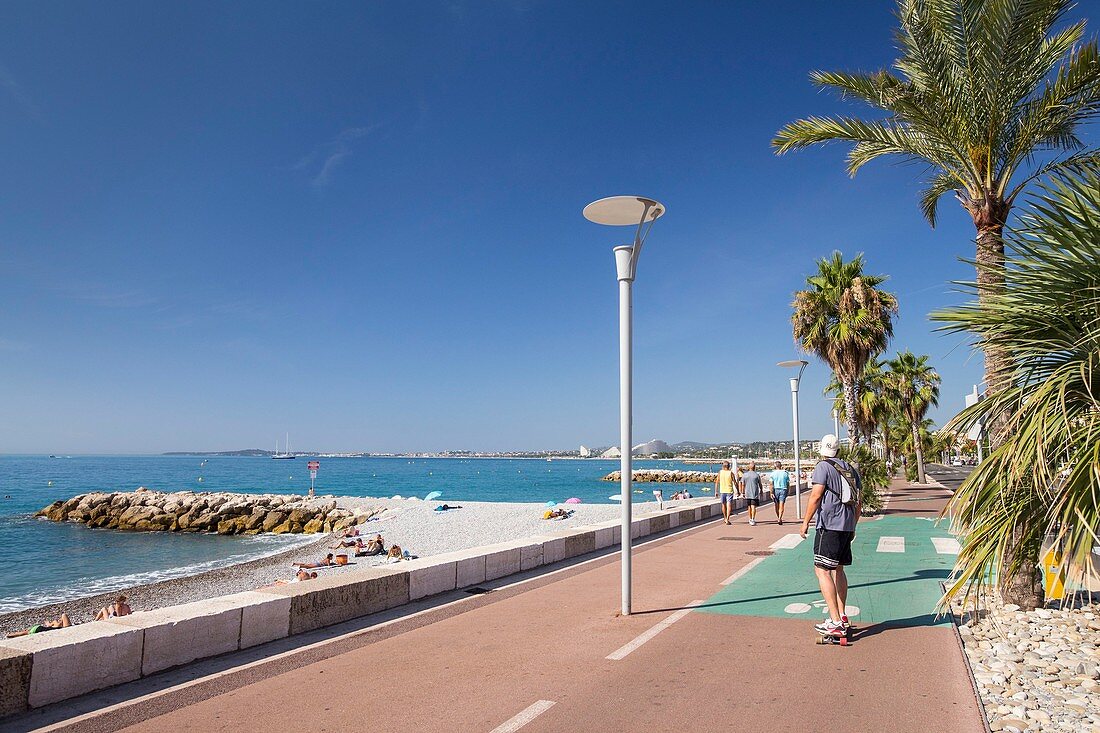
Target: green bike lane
<point x="899" y="564"/>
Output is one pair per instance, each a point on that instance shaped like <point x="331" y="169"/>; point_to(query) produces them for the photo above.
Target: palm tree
<point x="989" y="96"/>
<point x="916" y="387"/>
<point x="871" y="397"/>
<point x="1045" y="476"/>
<point x="844" y="319"/>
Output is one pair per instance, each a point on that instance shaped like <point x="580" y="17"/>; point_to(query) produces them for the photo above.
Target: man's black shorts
<point x="832" y="548"/>
<point x="753" y="502"/>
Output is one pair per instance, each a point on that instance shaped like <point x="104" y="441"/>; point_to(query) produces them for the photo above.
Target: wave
<point x="264" y="546"/>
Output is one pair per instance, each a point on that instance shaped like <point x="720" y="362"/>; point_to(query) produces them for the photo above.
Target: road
<point x="949" y="476"/>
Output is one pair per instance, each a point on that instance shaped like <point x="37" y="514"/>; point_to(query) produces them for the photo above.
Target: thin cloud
<point x="14" y="346"/>
<point x="325" y="159"/>
<point x="11" y="86"/>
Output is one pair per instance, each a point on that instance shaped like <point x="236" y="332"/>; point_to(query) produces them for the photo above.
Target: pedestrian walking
<point x="723" y="487"/>
<point x="781" y="482"/>
<point x="752" y="488"/>
<point x="834" y="500"/>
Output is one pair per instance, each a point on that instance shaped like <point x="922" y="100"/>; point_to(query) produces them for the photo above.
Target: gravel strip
<point x="1036" y="670"/>
<point x="410" y="523"/>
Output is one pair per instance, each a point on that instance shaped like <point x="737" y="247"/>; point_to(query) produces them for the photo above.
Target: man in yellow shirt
<point x="724" y="486"/>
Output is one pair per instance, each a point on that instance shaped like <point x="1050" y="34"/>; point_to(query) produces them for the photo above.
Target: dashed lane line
<point x="787" y="542"/>
<point x="891" y="544"/>
<point x="524" y="717"/>
<point x="630" y="646"/>
<point x="946" y="545"/>
<point x="742" y="571"/>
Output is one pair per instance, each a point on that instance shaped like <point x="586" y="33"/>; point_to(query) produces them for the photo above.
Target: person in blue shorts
<point x="781" y="482"/>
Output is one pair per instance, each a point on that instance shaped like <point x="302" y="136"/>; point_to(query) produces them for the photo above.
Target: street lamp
<point x="626" y="211"/>
<point x="836" y="423"/>
<point x="801" y="364"/>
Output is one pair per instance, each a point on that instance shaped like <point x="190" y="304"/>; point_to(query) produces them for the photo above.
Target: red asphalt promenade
<point x="550" y="653"/>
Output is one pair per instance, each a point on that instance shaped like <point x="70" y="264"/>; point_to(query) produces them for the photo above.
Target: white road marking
<point x="946" y="545"/>
<point x="796" y="608"/>
<point x="626" y="649"/>
<point x="743" y="570"/>
<point x="787" y="542"/>
<point x="891" y="544"/>
<point x="524" y="717"/>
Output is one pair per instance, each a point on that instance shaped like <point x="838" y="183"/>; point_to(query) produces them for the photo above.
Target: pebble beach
<point x="1036" y="670"/>
<point x="411" y="523"/>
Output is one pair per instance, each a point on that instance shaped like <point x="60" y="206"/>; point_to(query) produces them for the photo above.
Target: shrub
<point x="873" y="476"/>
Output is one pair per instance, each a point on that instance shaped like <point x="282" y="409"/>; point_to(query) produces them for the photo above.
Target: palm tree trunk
<point x="990" y="261"/>
<point x="1021" y="587"/>
<point x="918" y="451"/>
<point x="850" y="413"/>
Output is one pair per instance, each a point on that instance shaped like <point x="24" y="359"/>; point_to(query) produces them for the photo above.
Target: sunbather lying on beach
<point x="446" y="508"/>
<point x="300" y="576"/>
<point x="557" y="514"/>
<point x="322" y="564"/>
<point x="119" y="608"/>
<point x="60" y="623"/>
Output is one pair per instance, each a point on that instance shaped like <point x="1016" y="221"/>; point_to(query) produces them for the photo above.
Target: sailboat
<point x="282" y="456"/>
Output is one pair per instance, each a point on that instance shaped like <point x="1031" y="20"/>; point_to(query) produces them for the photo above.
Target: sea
<point x="48" y="562"/>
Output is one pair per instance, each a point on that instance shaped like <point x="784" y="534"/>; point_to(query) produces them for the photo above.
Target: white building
<point x="585" y="453"/>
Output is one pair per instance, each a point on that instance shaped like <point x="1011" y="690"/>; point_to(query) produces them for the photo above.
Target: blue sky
<point x="360" y="222"/>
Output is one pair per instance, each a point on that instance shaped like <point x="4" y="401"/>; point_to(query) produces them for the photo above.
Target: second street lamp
<point x="801" y="364"/>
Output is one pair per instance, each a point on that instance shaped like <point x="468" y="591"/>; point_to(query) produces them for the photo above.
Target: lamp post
<point x="626" y="211"/>
<point x="836" y="423"/>
<point x="801" y="364"/>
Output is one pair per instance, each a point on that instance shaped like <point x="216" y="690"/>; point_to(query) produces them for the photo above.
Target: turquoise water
<point x="49" y="562"/>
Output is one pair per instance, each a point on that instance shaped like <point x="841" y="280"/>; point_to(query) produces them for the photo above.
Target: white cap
<point x="830" y="445"/>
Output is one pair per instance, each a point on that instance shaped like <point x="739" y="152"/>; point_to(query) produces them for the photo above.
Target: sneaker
<point x="845" y="622"/>
<point x="828" y="626"/>
<point x="752" y="522"/>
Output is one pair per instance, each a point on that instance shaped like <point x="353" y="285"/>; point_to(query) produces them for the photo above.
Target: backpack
<point x="847" y="484"/>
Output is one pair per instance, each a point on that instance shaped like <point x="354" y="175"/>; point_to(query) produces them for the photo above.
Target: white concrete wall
<point x="73" y="661"/>
<point x="79" y="659"/>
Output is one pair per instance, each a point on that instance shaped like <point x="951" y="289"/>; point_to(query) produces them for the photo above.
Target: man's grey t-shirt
<point x="753" y="487"/>
<point x="833" y="513"/>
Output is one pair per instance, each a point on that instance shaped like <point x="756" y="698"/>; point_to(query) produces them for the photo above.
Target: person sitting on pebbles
<point x="557" y="514"/>
<point x="374" y="546"/>
<point x="328" y="561"/>
<point x="119" y="608"/>
<point x="61" y="623"/>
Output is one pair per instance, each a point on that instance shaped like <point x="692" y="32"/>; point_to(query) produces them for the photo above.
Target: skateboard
<point x="827" y="639"/>
<point x="837" y="640"/>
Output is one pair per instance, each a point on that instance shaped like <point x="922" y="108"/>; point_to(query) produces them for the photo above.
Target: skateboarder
<point x="781" y="481"/>
<point x="834" y="498"/>
<point x="723" y="486"/>
<point x="752" y="489"/>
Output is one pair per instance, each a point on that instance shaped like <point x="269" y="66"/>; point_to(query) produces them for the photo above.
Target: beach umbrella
<point x="551" y="503"/>
<point x="433" y="495"/>
<point x="572" y="500"/>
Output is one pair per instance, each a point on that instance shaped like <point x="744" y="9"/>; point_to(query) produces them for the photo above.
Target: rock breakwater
<point x="661" y="475"/>
<point x="188" y="511"/>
